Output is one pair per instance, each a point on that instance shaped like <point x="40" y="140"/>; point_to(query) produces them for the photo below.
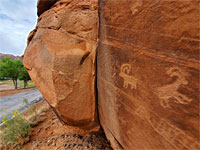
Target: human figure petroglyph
<point x="128" y="79"/>
<point x="168" y="92"/>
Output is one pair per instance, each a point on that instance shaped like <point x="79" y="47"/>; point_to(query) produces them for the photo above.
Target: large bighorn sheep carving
<point x="169" y="92"/>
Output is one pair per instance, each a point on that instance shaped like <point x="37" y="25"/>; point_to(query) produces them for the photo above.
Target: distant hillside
<point x="11" y="56"/>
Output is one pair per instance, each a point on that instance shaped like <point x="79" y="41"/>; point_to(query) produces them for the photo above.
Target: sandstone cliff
<point x="147" y="68"/>
<point x="148" y="73"/>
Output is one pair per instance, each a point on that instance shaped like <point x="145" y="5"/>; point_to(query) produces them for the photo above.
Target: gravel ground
<point x="73" y="142"/>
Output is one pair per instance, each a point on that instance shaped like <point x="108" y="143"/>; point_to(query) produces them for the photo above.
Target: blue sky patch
<point x="17" y="19"/>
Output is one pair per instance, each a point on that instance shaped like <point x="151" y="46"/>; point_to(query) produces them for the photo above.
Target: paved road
<point x="16" y="101"/>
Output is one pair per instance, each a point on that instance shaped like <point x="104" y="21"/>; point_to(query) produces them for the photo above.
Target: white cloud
<point x="17" y="19"/>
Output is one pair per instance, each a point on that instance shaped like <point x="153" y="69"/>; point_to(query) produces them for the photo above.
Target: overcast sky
<point x="17" y="19"/>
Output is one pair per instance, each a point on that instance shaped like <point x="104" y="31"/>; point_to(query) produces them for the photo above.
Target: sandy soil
<point x="6" y="87"/>
<point x="50" y="134"/>
<point x="12" y="91"/>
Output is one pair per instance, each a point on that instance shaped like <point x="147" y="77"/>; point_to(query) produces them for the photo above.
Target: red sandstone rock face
<point x="60" y="58"/>
<point x="148" y="73"/>
<point x="148" y="68"/>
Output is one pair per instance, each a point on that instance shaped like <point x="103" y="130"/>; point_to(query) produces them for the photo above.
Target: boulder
<point x="148" y="73"/>
<point x="60" y="58"/>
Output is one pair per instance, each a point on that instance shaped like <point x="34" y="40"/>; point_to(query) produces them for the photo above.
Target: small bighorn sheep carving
<point x="169" y="92"/>
<point x="128" y="80"/>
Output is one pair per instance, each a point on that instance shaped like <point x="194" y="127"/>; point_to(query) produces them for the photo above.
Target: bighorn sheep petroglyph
<point x="168" y="92"/>
<point x="128" y="79"/>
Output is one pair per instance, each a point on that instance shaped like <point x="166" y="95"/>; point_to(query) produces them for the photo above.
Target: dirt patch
<point x="6" y="87"/>
<point x="52" y="135"/>
<point x="13" y="91"/>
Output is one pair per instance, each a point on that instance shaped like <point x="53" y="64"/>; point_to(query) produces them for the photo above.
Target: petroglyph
<point x="130" y="132"/>
<point x="113" y="75"/>
<point x="122" y="121"/>
<point x="135" y="6"/>
<point x="170" y="91"/>
<point x="170" y="132"/>
<point x="145" y="115"/>
<point x="60" y="72"/>
<point x="141" y="112"/>
<point x="128" y="79"/>
<point x="175" y="136"/>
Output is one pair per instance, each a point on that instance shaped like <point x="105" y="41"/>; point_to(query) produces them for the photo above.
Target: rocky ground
<point x="93" y="141"/>
<point x="50" y="134"/>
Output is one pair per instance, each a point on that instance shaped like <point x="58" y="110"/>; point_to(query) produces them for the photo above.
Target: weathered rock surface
<point x="147" y="68"/>
<point x="60" y="58"/>
<point x="148" y="73"/>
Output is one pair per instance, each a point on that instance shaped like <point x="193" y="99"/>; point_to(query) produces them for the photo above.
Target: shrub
<point x="15" y="131"/>
<point x="31" y="112"/>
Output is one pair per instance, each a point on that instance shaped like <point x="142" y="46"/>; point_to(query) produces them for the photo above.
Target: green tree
<point x="11" y="69"/>
<point x="24" y="76"/>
